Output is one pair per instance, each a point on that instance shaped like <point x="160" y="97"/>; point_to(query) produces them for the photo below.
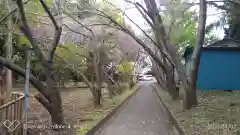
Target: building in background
<point x="219" y="65"/>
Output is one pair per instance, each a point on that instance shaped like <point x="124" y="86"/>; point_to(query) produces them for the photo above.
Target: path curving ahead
<point x="142" y="115"/>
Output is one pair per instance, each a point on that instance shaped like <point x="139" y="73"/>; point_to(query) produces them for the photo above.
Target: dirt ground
<point x="79" y="113"/>
<point x="217" y="113"/>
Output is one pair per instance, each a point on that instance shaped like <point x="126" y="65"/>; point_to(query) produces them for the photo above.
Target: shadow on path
<point x="142" y="115"/>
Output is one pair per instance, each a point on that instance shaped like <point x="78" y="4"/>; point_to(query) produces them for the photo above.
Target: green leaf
<point x="24" y="40"/>
<point x="72" y="53"/>
<point x="125" y="67"/>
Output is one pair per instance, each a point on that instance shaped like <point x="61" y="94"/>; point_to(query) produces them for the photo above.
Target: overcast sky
<point x="213" y="15"/>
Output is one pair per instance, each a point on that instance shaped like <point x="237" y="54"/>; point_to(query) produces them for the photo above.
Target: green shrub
<point x="123" y="87"/>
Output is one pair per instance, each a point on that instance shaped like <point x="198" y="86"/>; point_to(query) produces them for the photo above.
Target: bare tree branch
<point x="26" y="30"/>
<point x="142" y="11"/>
<point x="138" y="40"/>
<point x="77" y="21"/>
<point x="132" y="22"/>
<point x="46" y="9"/>
<point x="58" y="31"/>
<point x="155" y="43"/>
<point x="110" y="77"/>
<point x="102" y="24"/>
<point x="87" y="36"/>
<point x="144" y="16"/>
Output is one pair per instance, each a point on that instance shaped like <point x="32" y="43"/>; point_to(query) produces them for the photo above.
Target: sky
<point x="212" y="13"/>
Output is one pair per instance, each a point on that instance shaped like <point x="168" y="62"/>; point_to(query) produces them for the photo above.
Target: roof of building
<point x="223" y="43"/>
<point x="220" y="44"/>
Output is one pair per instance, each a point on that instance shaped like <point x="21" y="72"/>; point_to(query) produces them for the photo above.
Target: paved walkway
<point x="142" y="115"/>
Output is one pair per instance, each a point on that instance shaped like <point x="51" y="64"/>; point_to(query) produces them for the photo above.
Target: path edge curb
<point x="172" y="118"/>
<point x="110" y="114"/>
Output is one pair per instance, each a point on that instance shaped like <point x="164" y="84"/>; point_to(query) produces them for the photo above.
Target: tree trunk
<point x="99" y="73"/>
<point x="97" y="95"/>
<point x="131" y="84"/>
<point x="171" y="84"/>
<point x="8" y="44"/>
<point x="190" y="99"/>
<point x="159" y="75"/>
<point x="56" y="110"/>
<point x="2" y="85"/>
<point x="162" y="39"/>
<point x="162" y="44"/>
<point x="53" y="103"/>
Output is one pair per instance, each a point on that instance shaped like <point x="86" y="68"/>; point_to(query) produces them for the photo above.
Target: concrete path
<point x="142" y="115"/>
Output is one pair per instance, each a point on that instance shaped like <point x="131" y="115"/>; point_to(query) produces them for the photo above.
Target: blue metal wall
<point x="219" y="70"/>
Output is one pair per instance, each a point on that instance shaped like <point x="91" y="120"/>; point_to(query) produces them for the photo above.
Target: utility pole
<point x="8" y="45"/>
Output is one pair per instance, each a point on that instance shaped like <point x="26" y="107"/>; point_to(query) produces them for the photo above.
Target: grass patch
<point x="217" y="113"/>
<point x="85" y="126"/>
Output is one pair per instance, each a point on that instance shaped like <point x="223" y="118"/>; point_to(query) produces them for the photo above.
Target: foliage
<point x="125" y="71"/>
<point x="112" y="11"/>
<point x="210" y="38"/>
<point x="23" y="40"/>
<point x="125" y="67"/>
<point x="182" y="23"/>
<point x="233" y="20"/>
<point x="187" y="27"/>
<point x="73" y="54"/>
